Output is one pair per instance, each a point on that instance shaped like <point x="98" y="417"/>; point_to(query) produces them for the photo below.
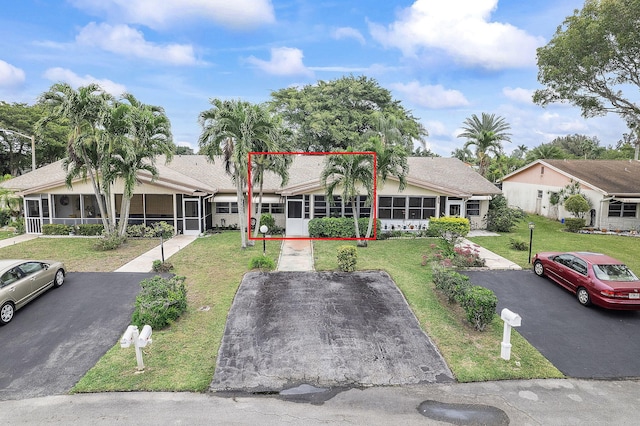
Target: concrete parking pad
<point x="325" y="329"/>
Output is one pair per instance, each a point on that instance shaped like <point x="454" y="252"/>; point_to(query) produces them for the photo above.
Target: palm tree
<point x="233" y="129"/>
<point x="391" y="156"/>
<point x="545" y="151"/>
<point x="350" y="172"/>
<point x="139" y="133"/>
<point x="85" y="111"/>
<point x="487" y="134"/>
<point x="276" y="163"/>
<point x="463" y="154"/>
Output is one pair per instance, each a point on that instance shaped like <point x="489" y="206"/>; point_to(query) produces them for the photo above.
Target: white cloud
<point x="436" y="128"/>
<point x="161" y="14"/>
<point x="127" y="41"/>
<point x="463" y="30"/>
<point x="284" y="61"/>
<point x="433" y="97"/>
<point x="348" y="32"/>
<point x="65" y="75"/>
<point x="10" y="76"/>
<point x="519" y="94"/>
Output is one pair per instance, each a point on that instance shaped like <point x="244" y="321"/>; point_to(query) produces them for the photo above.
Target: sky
<point x="444" y="60"/>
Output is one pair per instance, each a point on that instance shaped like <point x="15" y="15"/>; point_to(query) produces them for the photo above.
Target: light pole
<point x="264" y="229"/>
<point x="531" y="228"/>
<point x="33" y="144"/>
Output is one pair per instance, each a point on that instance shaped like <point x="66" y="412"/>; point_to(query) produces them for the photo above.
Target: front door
<point x="295" y="218"/>
<point x="192" y="222"/>
<point x="33" y="215"/>
<point x="454" y="208"/>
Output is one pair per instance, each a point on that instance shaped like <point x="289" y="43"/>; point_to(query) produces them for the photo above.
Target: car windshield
<point x="614" y="273"/>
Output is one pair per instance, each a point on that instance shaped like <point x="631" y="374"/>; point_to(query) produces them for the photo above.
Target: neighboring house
<point x="611" y="186"/>
<point x="194" y="194"/>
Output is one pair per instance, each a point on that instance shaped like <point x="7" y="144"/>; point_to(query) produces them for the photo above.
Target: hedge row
<point x="82" y="229"/>
<point x="479" y="303"/>
<point x="449" y="225"/>
<point x="339" y="227"/>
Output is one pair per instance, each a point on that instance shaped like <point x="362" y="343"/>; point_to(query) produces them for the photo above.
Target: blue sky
<point x="445" y="60"/>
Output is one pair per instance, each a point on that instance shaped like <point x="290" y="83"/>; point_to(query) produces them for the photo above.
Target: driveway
<point x="581" y="342"/>
<point x="54" y="340"/>
<point x="323" y="329"/>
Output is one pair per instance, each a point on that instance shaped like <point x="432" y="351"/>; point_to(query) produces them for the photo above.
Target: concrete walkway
<point x="296" y="255"/>
<point x="144" y="262"/>
<point x="17" y="239"/>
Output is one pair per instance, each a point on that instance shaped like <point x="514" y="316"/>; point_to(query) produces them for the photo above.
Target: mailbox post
<point x="139" y="340"/>
<point x="511" y="319"/>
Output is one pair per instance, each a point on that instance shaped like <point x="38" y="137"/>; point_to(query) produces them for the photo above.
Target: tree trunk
<point x="258" y="212"/>
<point x="241" y="213"/>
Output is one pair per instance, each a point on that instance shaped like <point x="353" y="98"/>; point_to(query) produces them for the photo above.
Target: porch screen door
<point x="295" y="217"/>
<point x="33" y="216"/>
<point x="191" y="209"/>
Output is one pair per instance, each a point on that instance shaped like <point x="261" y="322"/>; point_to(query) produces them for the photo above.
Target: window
<point x="364" y="208"/>
<point x="394" y="207"/>
<point x="226" y="207"/>
<point x="319" y="206"/>
<point x="335" y="209"/>
<point x="473" y="208"/>
<point x="539" y="194"/>
<point x="580" y="266"/>
<point x="272" y="208"/>
<point x="618" y="209"/>
<point x="307" y="206"/>
<point x="541" y="170"/>
<point x="422" y="207"/>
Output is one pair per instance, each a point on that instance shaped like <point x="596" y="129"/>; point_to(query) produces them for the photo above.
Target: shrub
<point x="56" y="229"/>
<point x="5" y="217"/>
<point x="574" y="224"/>
<point x="162" y="229"/>
<point x="577" y="205"/>
<point x="451" y="283"/>
<point x="501" y="217"/>
<point x="90" y="229"/>
<point x="339" y="227"/>
<point x="479" y="304"/>
<point x="444" y="226"/>
<point x="160" y="302"/>
<point x="518" y="244"/>
<point x="137" y="231"/>
<point x="160" y="266"/>
<point x="467" y="257"/>
<point x="18" y="225"/>
<point x="262" y="262"/>
<point x="347" y="258"/>
<point x="109" y="242"/>
<point x="267" y="219"/>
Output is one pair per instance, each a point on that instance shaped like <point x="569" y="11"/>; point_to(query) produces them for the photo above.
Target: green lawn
<point x="183" y="356"/>
<point x="471" y="355"/>
<point x="6" y="234"/>
<point x="78" y="254"/>
<point x="549" y="235"/>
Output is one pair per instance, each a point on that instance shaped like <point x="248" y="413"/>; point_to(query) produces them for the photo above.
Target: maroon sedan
<point x="593" y="277"/>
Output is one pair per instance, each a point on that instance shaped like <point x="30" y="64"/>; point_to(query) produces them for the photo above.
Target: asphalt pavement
<point x="581" y="342"/>
<point x="54" y="340"/>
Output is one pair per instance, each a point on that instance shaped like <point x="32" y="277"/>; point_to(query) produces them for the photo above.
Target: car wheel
<point x="59" y="278"/>
<point x="6" y="313"/>
<point x="583" y="296"/>
<point x="538" y="268"/>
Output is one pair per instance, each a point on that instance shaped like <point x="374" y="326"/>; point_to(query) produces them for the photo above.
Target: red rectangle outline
<point x="373" y="205"/>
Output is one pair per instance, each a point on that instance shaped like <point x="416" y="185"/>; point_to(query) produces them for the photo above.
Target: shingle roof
<point x="615" y="177"/>
<point x="197" y="172"/>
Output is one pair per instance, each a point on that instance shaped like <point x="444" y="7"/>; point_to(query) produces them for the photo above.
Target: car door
<point x="36" y="274"/>
<point x="559" y="268"/>
<point x="15" y="286"/>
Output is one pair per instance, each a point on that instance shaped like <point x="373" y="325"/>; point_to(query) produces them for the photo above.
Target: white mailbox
<point x="511" y="318"/>
<point x="145" y="336"/>
<point x="127" y="337"/>
<point x="139" y="340"/>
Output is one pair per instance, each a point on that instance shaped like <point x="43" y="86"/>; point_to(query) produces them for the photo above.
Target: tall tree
<point x="386" y="140"/>
<point x="592" y="60"/>
<point x="333" y="115"/>
<point x="351" y="173"/>
<point x="579" y="146"/>
<point x="487" y="135"/>
<point x="139" y="134"/>
<point x="232" y="129"/>
<point x="84" y="110"/>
